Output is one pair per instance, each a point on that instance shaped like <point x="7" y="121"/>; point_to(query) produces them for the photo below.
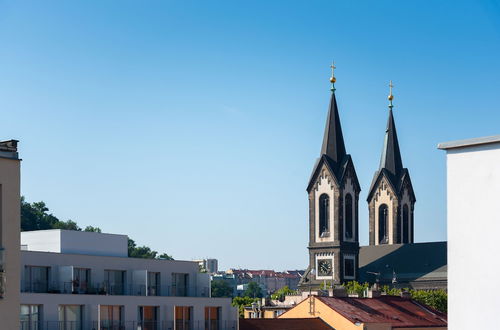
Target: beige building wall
<point x="9" y="239"/>
<point x="312" y="308"/>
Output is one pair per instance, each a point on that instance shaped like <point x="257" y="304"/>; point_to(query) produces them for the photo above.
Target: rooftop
<point x="284" y="324"/>
<point x="397" y="311"/>
<point x="75" y="242"/>
<point x="469" y="142"/>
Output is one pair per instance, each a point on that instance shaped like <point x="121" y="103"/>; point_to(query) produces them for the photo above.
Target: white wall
<point x="473" y="236"/>
<point x="77" y="242"/>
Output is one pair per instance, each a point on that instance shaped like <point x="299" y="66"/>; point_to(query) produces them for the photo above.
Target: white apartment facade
<point x="473" y="205"/>
<point x="82" y="281"/>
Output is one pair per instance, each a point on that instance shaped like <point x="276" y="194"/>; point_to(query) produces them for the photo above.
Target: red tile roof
<point x="397" y="311"/>
<point x="284" y="324"/>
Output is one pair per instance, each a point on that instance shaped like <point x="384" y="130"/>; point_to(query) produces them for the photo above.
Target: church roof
<point x="333" y="140"/>
<point x="333" y="151"/>
<point x="391" y="164"/>
<point x="406" y="262"/>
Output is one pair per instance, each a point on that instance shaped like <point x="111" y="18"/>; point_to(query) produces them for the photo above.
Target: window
<point x="324" y="215"/>
<point x="81" y="280"/>
<point x="114" y="281"/>
<point x="36" y="279"/>
<point x="148" y="318"/>
<point x="110" y="317"/>
<point x="406" y="225"/>
<point x="212" y="318"/>
<point x="183" y="316"/>
<point x="70" y="317"/>
<point x="398" y="236"/>
<point x="153" y="284"/>
<point x="180" y="284"/>
<point x="30" y="317"/>
<point x="349" y="234"/>
<point x="349" y="267"/>
<point x="383" y="238"/>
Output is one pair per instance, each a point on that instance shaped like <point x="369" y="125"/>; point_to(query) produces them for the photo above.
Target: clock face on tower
<point x="325" y="267"/>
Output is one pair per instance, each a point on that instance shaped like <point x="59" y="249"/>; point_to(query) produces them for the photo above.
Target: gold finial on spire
<point x="390" y="97"/>
<point x="332" y="78"/>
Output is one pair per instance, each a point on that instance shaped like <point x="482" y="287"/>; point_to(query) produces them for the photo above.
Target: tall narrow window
<point x="180" y="284"/>
<point x="114" y="281"/>
<point x="406" y="225"/>
<point x="324" y="215"/>
<point x="70" y="317"/>
<point x="349" y="234"/>
<point x="383" y="214"/>
<point x="212" y="318"/>
<point x="30" y="317"/>
<point x="111" y="317"/>
<point x="36" y="279"/>
<point x="398" y="236"/>
<point x="183" y="317"/>
<point x="148" y="318"/>
<point x="153" y="284"/>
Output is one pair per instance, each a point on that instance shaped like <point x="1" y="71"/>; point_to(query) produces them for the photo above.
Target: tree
<point x="36" y="216"/>
<point x="281" y="293"/>
<point x="164" y="256"/>
<point x="92" y="229"/>
<point x="253" y="290"/>
<point x="242" y="302"/>
<point x="221" y="288"/>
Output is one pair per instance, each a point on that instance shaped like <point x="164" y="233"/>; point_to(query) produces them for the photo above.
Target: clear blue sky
<point x="192" y="126"/>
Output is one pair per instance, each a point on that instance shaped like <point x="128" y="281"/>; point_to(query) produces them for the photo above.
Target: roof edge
<point x="469" y="142"/>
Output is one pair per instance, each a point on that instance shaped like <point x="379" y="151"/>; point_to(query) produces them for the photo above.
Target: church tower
<point x="333" y="192"/>
<point x="391" y="199"/>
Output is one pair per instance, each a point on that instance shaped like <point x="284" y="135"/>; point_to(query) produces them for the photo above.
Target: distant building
<point x="473" y="197"/>
<point x="270" y="309"/>
<point x="211" y="266"/>
<point x="269" y="280"/>
<point x="84" y="280"/>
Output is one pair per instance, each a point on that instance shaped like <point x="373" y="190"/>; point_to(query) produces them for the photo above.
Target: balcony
<point x="106" y="288"/>
<point x="130" y="325"/>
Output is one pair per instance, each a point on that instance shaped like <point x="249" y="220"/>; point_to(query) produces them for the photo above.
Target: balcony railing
<point x="129" y="325"/>
<point x="113" y="289"/>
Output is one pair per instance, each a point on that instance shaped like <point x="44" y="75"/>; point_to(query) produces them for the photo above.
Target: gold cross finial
<point x="332" y="79"/>
<point x="390" y="97"/>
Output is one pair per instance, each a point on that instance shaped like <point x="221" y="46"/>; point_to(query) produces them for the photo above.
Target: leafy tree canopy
<point x="281" y="293"/>
<point x="242" y="302"/>
<point x="36" y="216"/>
<point x="253" y="290"/>
<point x="221" y="288"/>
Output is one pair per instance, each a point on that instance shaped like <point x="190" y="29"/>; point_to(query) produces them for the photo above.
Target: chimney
<point x="373" y="292"/>
<point x="339" y="292"/>
<point x="405" y="294"/>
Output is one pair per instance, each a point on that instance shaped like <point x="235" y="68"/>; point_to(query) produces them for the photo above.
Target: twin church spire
<point x="333" y="192"/>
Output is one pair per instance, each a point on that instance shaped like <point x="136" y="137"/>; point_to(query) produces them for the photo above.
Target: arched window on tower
<point x="383" y="215"/>
<point x="324" y="215"/>
<point x="398" y="236"/>
<point x="349" y="234"/>
<point x="406" y="225"/>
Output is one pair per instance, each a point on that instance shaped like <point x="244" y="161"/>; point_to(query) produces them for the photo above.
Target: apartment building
<point x="82" y="280"/>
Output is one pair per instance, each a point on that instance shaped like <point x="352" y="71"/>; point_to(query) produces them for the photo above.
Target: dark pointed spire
<point x="333" y="140"/>
<point x="391" y="155"/>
